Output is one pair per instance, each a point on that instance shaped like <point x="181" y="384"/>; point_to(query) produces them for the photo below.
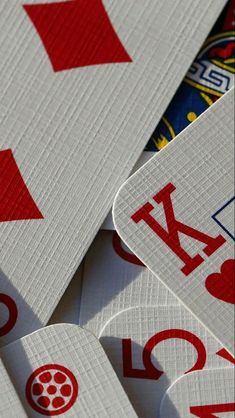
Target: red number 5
<point x="150" y="371"/>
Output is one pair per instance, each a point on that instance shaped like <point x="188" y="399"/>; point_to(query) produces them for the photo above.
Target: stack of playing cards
<point x="117" y="267"/>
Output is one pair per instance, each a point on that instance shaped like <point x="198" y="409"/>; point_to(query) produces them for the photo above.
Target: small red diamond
<point x="16" y="202"/>
<point x="77" y="33"/>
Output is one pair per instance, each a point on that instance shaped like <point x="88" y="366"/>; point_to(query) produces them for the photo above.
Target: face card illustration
<point x="83" y="85"/>
<point x="209" y="77"/>
<point x="10" y="405"/>
<point x="115" y="280"/>
<point x="202" y="394"/>
<point x="63" y="370"/>
<point x="150" y="348"/>
<point x="167" y="214"/>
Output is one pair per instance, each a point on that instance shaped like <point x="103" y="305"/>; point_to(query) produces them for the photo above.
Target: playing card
<point x="115" y="280"/>
<point x="83" y="85"/>
<point x="63" y="370"/>
<point x="145" y="156"/>
<point x="9" y="401"/>
<point x="210" y="76"/>
<point x="167" y="213"/>
<point x="203" y="394"/>
<point x="150" y="348"/>
<point x="67" y="311"/>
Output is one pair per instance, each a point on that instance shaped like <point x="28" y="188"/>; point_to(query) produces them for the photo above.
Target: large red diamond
<point x="16" y="202"/>
<point x="77" y="33"/>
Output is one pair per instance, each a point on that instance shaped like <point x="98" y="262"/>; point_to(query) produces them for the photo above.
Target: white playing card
<point x="83" y="85"/>
<point x="115" y="280"/>
<point x="211" y="75"/>
<point x="10" y="406"/>
<point x="203" y="394"/>
<point x="63" y="369"/>
<point x="67" y="311"/>
<point x="145" y="156"/>
<point x="167" y="214"/>
<point x="150" y="348"/>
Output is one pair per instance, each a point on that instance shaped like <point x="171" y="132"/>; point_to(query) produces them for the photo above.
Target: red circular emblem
<point x="13" y="313"/>
<point x="51" y="389"/>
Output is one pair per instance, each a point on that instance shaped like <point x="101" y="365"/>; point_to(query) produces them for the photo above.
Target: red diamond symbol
<point x="77" y="33"/>
<point x="16" y="202"/>
<point x="209" y="411"/>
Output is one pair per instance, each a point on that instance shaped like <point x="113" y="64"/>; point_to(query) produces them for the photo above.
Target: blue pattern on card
<point x="214" y="217"/>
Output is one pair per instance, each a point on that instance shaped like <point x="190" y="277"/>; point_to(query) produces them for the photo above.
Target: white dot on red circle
<point x="45" y="377"/>
<point x="37" y="389"/>
<point x="51" y="389"/>
<point x="58" y="402"/>
<point x="66" y="390"/>
<point x="56" y="389"/>
<point x="44" y="401"/>
<point x="59" y="377"/>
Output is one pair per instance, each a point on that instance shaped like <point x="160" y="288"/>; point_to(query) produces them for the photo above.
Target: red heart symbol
<point x="222" y="285"/>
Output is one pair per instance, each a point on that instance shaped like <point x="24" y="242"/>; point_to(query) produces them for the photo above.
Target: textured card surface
<point x="67" y="310"/>
<point x="63" y="370"/>
<point x="203" y="394"/>
<point x="10" y="406"/>
<point x="150" y="348"/>
<point x="114" y="280"/>
<point x="210" y="76"/>
<point x="83" y="85"/>
<point x="167" y="213"/>
<point x="108" y="222"/>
